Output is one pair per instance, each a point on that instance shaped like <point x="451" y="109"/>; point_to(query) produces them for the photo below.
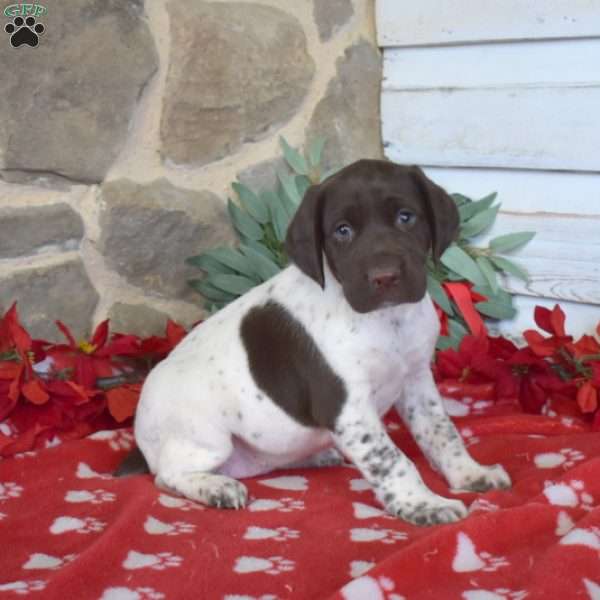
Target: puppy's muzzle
<point x="383" y="280"/>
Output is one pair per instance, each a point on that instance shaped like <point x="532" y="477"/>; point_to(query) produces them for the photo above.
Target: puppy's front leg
<point x="423" y="411"/>
<point x="359" y="434"/>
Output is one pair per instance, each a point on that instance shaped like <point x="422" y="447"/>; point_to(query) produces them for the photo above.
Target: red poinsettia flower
<point x="17" y="376"/>
<point x="87" y="361"/>
<point x="161" y="346"/>
<point x="587" y="397"/>
<point x="553" y="322"/>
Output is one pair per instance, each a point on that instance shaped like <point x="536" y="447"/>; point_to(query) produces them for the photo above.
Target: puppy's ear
<point x="304" y="239"/>
<point x="441" y="212"/>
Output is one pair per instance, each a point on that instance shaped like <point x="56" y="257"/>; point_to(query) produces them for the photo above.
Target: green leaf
<point x="302" y="185"/>
<point x="279" y="215"/>
<point x="438" y="295"/>
<point x="315" y="151"/>
<point x="204" y="287"/>
<point x="294" y="158"/>
<point x="470" y="209"/>
<point x="243" y="222"/>
<point x="330" y="172"/>
<point x="456" y="332"/>
<point x="290" y="195"/>
<point x="496" y="308"/>
<point x="233" y="284"/>
<point x="461" y="199"/>
<point x="264" y="267"/>
<point x="487" y="269"/>
<point x="229" y="257"/>
<point x="260" y="248"/>
<point x="510" y="267"/>
<point x="208" y="263"/>
<point x="250" y="201"/>
<point x="481" y="221"/>
<point x="461" y="263"/>
<point x="510" y="241"/>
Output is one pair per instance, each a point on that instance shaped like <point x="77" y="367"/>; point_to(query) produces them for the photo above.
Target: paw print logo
<point x="565" y="458"/>
<point x="279" y="534"/>
<point x="274" y="565"/>
<point x="23" y="588"/>
<point x="9" y="489"/>
<point x="24" y="31"/>
<point x="369" y="587"/>
<point x="180" y="503"/>
<point x="117" y="440"/>
<point x="375" y="534"/>
<point x="281" y="505"/>
<point x="93" y="497"/>
<point x="570" y="493"/>
<point x="158" y="562"/>
<point x="3" y="516"/>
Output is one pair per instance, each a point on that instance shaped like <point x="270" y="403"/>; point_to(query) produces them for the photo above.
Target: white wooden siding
<point x="513" y="108"/>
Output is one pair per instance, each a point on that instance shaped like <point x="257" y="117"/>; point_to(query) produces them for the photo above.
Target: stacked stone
<point x="121" y="131"/>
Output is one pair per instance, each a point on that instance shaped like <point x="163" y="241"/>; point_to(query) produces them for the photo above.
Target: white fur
<point x="200" y="421"/>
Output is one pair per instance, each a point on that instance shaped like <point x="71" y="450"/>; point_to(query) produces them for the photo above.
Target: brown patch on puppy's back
<point x="288" y="366"/>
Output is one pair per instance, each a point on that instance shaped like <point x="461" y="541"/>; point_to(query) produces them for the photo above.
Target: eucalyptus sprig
<point x="261" y="222"/>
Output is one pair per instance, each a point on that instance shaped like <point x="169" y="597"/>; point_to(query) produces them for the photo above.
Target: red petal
<point x="558" y="321"/>
<point x="461" y="294"/>
<point x="100" y="335"/>
<point x="34" y="392"/>
<point x="540" y="345"/>
<point x="541" y="316"/>
<point x="122" y="401"/>
<point x="587" y="398"/>
<point x="175" y="333"/>
<point x="67" y="333"/>
<point x="18" y="334"/>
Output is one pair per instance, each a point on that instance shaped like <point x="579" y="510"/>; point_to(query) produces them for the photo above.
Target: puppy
<point x="302" y="367"/>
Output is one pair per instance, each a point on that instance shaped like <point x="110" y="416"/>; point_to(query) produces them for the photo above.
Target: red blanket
<point x="70" y="531"/>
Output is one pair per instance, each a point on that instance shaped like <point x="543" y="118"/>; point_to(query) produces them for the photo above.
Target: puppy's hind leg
<point x="184" y="467"/>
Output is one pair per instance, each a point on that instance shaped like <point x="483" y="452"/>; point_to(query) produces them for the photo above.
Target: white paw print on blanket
<point x="123" y="593"/>
<point x="274" y="565"/>
<point x="365" y="511"/>
<point x="593" y="589"/>
<point x="10" y="489"/>
<point x="238" y="597"/>
<point x="467" y="558"/>
<point x="155" y="527"/>
<point x="359" y="485"/>
<point x="570" y="493"/>
<point x="3" y="516"/>
<point x="481" y="504"/>
<point x="23" y="587"/>
<point x="469" y="438"/>
<point x="466" y="406"/>
<point x="359" y="567"/>
<point x="279" y="534"/>
<point x="180" y="503"/>
<point x="293" y="483"/>
<point x="158" y="562"/>
<point x="382" y="588"/>
<point x="589" y="537"/>
<point x="118" y="439"/>
<point x="375" y="534"/>
<point x="495" y="594"/>
<point x="84" y="471"/>
<point x="41" y="561"/>
<point x="68" y="524"/>
<point x="93" y="497"/>
<point x="281" y="505"/>
<point x="567" y="458"/>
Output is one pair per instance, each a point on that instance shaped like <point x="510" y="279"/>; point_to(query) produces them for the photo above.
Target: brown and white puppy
<point x="306" y="364"/>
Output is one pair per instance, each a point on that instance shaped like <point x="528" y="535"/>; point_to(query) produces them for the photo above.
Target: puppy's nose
<point x="383" y="280"/>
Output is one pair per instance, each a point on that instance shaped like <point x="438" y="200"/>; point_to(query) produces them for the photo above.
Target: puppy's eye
<point x="405" y="218"/>
<point x="343" y="232"/>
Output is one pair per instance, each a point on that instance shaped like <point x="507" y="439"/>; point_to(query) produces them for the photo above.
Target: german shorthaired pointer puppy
<point x="305" y="365"/>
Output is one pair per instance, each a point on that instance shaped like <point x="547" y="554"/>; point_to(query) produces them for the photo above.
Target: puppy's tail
<point x="133" y="464"/>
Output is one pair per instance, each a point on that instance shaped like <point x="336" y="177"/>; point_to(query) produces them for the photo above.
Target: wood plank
<point x="573" y="62"/>
<point x="539" y="128"/>
<point x="526" y="191"/>
<point x="458" y="21"/>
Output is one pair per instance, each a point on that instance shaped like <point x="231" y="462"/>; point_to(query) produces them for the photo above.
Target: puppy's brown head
<point x="375" y="221"/>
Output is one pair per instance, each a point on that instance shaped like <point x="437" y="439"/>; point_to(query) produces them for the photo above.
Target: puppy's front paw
<point x="432" y="510"/>
<point x="481" y="478"/>
<point x="224" y="492"/>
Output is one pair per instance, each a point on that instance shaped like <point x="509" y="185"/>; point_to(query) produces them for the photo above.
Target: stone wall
<point x="121" y="132"/>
